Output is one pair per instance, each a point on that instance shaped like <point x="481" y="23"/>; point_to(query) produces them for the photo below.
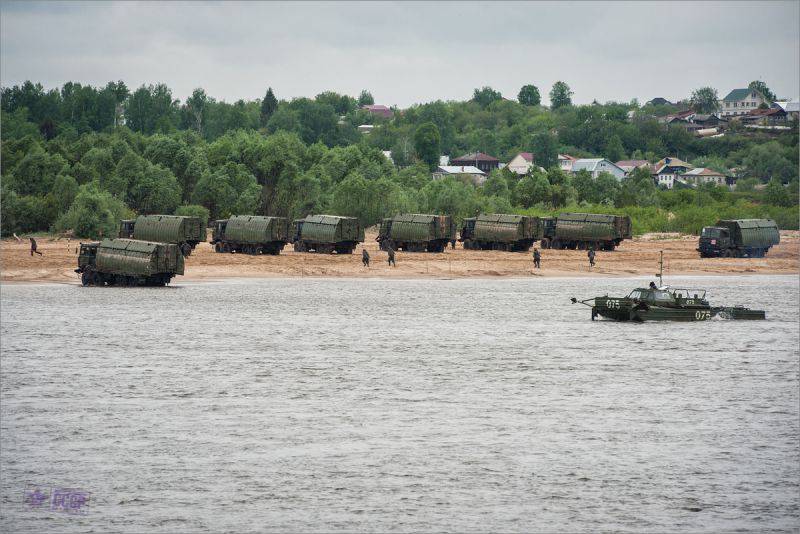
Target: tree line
<point x="81" y="158"/>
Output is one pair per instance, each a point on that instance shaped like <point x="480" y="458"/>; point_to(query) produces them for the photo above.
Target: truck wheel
<point x="544" y="243"/>
<point x="258" y="250"/>
<point x="217" y="247"/>
<point x="86" y="278"/>
<point x="186" y="249"/>
<point x="728" y="253"/>
<point x="556" y="244"/>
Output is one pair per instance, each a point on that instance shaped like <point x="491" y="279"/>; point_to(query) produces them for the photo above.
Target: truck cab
<point x="714" y="241"/>
<point x="385" y="230"/>
<point x="126" y="228"/>
<point x="87" y="256"/>
<point x="297" y="230"/>
<point x="467" y="229"/>
<point x="218" y="230"/>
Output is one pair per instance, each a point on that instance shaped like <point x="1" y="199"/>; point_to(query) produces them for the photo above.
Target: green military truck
<point x="414" y="232"/>
<point x="128" y="262"/>
<point x="186" y="232"/>
<point x="326" y="234"/>
<point x="738" y="238"/>
<point x="585" y="230"/>
<point x="514" y="233"/>
<point x="250" y="234"/>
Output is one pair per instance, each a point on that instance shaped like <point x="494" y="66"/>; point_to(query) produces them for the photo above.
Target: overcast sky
<point x="406" y="53"/>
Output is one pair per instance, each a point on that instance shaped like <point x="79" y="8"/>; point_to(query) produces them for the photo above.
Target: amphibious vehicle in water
<point x="664" y="303"/>
<point x="128" y="262"/>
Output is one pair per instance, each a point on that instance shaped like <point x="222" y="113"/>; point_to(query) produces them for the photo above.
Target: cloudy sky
<point x="405" y="53"/>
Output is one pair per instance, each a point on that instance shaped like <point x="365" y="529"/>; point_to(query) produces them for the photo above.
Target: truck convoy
<point x="413" y="232"/>
<point x="514" y="233"/>
<point x="326" y="234"/>
<point x="127" y="262"/>
<point x="250" y="234"/>
<point x="186" y="232"/>
<point x="738" y="238"/>
<point x="585" y="230"/>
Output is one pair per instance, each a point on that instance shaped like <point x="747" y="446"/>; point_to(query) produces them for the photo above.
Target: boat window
<point x="636" y="294"/>
<point x="662" y="296"/>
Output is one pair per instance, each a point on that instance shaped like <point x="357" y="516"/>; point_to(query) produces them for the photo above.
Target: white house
<point x="521" y="164"/>
<point x="740" y="102"/>
<point x="668" y="169"/>
<point x="477" y="175"/>
<point x="597" y="165"/>
<point x="565" y="162"/>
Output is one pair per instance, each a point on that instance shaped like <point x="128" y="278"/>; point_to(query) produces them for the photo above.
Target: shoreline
<point x="637" y="257"/>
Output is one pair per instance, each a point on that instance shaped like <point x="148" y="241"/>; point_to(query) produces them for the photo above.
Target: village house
<point x="791" y="107"/>
<point x="521" y="164"/>
<point x="628" y="165"/>
<point x="379" y="110"/>
<point x="667" y="170"/>
<point x="565" y="162"/>
<point x="597" y="165"/>
<point x="765" y="117"/>
<point x="658" y="101"/>
<point x="739" y="102"/>
<point x="475" y="174"/>
<point x="702" y="175"/>
<point x="484" y="162"/>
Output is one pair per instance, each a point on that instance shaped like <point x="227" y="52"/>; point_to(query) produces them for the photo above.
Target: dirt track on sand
<point x="636" y="257"/>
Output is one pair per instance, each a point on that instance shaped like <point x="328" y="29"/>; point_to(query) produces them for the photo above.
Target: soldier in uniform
<point x="390" y="251"/>
<point x="33" y="247"/>
<point x="537" y="258"/>
<point x="591" y="257"/>
<point x="653" y="285"/>
<point x="365" y="257"/>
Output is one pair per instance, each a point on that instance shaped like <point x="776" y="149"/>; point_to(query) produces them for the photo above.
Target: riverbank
<point x="636" y="257"/>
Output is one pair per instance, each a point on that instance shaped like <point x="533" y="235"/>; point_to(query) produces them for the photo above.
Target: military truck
<point x="738" y="238"/>
<point x="128" y="262"/>
<point x="586" y="230"/>
<point x="500" y="232"/>
<point x="186" y="232"/>
<point x="250" y="234"/>
<point x="326" y="234"/>
<point x="414" y="232"/>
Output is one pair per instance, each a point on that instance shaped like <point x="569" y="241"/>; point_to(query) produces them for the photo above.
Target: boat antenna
<point x="660" y="273"/>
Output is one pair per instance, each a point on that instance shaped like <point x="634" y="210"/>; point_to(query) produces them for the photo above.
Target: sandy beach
<point x="635" y="257"/>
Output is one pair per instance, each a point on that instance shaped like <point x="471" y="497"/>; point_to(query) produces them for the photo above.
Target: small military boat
<point x="664" y="303"/>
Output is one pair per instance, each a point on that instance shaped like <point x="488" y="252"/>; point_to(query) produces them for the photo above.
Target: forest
<point x="79" y="158"/>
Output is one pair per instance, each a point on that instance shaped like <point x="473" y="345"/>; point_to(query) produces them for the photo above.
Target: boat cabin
<point x="669" y="297"/>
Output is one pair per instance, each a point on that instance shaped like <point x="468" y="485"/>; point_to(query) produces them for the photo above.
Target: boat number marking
<point x="612" y="304"/>
<point x="690" y="302"/>
<point x="702" y="315"/>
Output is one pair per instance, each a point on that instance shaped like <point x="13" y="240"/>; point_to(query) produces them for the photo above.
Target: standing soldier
<point x="33" y="247"/>
<point x="591" y="257"/>
<point x="537" y="258"/>
<point x="390" y="251"/>
<point x="365" y="257"/>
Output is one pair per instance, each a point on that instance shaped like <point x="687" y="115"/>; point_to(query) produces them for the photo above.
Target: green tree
<point x="529" y="96"/>
<point x="485" y="96"/>
<point x="705" y="100"/>
<point x="560" y="95"/>
<point x="427" y="144"/>
<point x="365" y="99"/>
<point x="776" y="194"/>
<point x="614" y="150"/>
<point x="268" y="106"/>
<point x="231" y="190"/>
<point x="761" y="87"/>
<point x="93" y="214"/>
<point x="193" y="210"/>
<point x="156" y="190"/>
<point x="196" y="106"/>
<point x="545" y="149"/>
<point x="532" y="189"/>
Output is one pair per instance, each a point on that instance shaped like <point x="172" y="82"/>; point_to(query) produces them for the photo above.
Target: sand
<point x="636" y="257"/>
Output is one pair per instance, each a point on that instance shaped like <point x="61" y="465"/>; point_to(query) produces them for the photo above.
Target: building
<point x="668" y="169"/>
<point x="791" y="107"/>
<point x="388" y="155"/>
<point x="521" y="164"/>
<point x="597" y="165"/>
<point x="628" y="165"/>
<point x="739" y="102"/>
<point x="365" y="128"/>
<point x="565" y="162"/>
<point x="765" y="117"/>
<point x="658" y="101"/>
<point x="707" y="120"/>
<point x="476" y="175"/>
<point x="379" y="110"/>
<point x="484" y="162"/>
<point x="444" y="160"/>
<point x="702" y="175"/>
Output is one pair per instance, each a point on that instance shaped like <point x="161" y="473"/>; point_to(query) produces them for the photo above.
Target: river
<point x="396" y="405"/>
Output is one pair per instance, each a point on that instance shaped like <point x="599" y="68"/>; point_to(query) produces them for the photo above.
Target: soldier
<point x="365" y="257"/>
<point x="537" y="258"/>
<point x="390" y="251"/>
<point x="33" y="247"/>
<point x="591" y="257"/>
<point x="653" y="285"/>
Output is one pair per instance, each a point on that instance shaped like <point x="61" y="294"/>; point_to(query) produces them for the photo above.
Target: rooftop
<point x="739" y="94"/>
<point x="460" y="169"/>
<point x="476" y="156"/>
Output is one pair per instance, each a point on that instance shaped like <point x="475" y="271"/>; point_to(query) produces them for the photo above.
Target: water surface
<point x="390" y="405"/>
